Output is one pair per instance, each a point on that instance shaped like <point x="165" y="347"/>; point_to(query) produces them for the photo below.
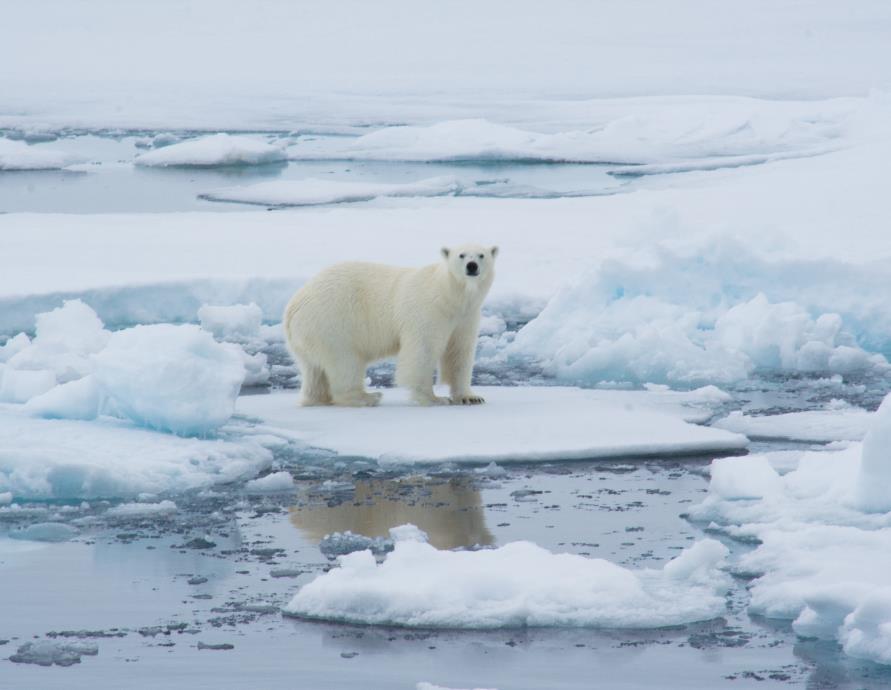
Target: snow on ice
<point x="621" y="323"/>
<point x="236" y="322"/>
<point x="214" y="150"/>
<point x="314" y="192"/>
<point x="681" y="133"/>
<point x="172" y="378"/>
<point x="17" y="155"/>
<point x="837" y="423"/>
<point x="109" y="458"/>
<point x="516" y="585"/>
<point x="137" y="510"/>
<point x="271" y="483"/>
<point x="515" y="424"/>
<point x="824" y="533"/>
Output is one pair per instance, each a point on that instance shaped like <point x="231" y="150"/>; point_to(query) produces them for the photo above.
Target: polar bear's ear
<point x="494" y="251"/>
<point x="445" y="252"/>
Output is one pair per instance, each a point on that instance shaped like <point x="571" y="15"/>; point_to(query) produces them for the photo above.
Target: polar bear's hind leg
<point x="314" y="389"/>
<point x="346" y="381"/>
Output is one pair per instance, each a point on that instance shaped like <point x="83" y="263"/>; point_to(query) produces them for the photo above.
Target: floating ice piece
<point x="629" y="139"/>
<point x="236" y="322"/>
<point x="46" y="531"/>
<point x="256" y="369"/>
<point x="819" y="426"/>
<point x="106" y="458"/>
<point x="20" y="386"/>
<point x="80" y="399"/>
<point x="824" y="533"/>
<point x="734" y="479"/>
<point x="142" y="510"/>
<point x="874" y="482"/>
<point x="65" y="338"/>
<point x="17" y="155"/>
<point x="49" y="652"/>
<point x="13" y="346"/>
<point x="588" y="334"/>
<point x="314" y="191"/>
<point x="342" y="543"/>
<point x="214" y="150"/>
<point x="517" y="585"/>
<point x="271" y="483"/>
<point x="516" y="424"/>
<point x="172" y="378"/>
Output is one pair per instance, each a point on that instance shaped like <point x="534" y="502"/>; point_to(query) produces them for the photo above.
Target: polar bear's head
<point x="470" y="262"/>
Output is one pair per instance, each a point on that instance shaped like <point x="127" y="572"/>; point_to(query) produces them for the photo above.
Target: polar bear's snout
<point x="473" y="268"/>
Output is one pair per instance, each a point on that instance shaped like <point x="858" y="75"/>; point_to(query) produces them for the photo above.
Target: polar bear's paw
<point x="468" y="399"/>
<point x="360" y="399"/>
<point x="430" y="399"/>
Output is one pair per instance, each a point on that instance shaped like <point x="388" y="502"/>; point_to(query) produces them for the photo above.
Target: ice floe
<point x="314" y="191"/>
<point x="50" y="652"/>
<point x="17" y="155"/>
<point x="824" y="537"/>
<point x="672" y="135"/>
<point x="162" y="376"/>
<point x="173" y="378"/>
<point x="234" y="323"/>
<point x="137" y="510"/>
<point x="214" y="150"/>
<point x="45" y="531"/>
<point x="603" y="327"/>
<point x="271" y="483"/>
<point x="519" y="584"/>
<point x="516" y="424"/>
<point x="821" y="426"/>
<point x="61" y="458"/>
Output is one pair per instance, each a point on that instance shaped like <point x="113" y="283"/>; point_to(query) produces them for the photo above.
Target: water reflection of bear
<point x="450" y="512"/>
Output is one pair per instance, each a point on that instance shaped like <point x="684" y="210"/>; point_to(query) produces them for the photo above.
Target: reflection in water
<point x="449" y="512"/>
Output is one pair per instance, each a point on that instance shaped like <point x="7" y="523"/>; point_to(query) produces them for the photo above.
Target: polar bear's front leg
<point x="456" y="368"/>
<point x="416" y="367"/>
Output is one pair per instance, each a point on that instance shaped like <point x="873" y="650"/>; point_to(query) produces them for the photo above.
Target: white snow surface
<point x="17" y="155"/>
<point x="820" y="426"/>
<point x="586" y="334"/>
<point x="271" y="483"/>
<point x="640" y="137"/>
<point x="516" y="424"/>
<point x="516" y="585"/>
<point x="167" y="377"/>
<point x="825" y="537"/>
<point x="704" y="277"/>
<point x="172" y="378"/>
<point x="315" y="191"/>
<point x="109" y="458"/>
<point x="235" y="322"/>
<point x="214" y="150"/>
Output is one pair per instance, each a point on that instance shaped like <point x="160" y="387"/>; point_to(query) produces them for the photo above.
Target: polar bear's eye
<point x="481" y="256"/>
<point x="460" y="256"/>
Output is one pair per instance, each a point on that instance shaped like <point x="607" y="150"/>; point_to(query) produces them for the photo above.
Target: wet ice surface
<point x="108" y="182"/>
<point x="197" y="592"/>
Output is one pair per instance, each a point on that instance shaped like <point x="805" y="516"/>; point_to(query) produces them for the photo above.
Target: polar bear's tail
<point x="287" y="317"/>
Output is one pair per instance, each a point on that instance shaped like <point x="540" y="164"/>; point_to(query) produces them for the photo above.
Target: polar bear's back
<point x="350" y="306"/>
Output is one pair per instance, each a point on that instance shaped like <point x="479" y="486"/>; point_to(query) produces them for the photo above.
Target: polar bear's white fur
<point x="353" y="314"/>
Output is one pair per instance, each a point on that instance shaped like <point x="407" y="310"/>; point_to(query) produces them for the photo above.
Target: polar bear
<point x="353" y="314"/>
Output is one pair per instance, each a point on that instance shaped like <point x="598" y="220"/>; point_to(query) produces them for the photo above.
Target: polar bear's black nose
<point x="472" y="268"/>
